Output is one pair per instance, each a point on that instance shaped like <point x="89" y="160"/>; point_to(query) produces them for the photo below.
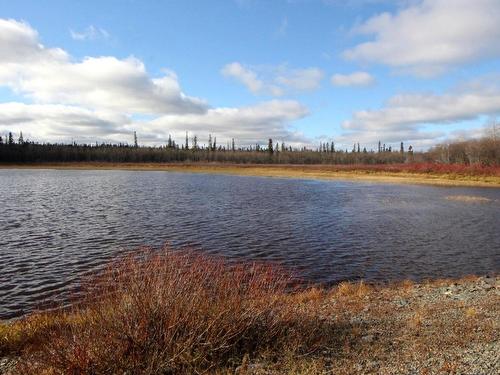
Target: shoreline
<point x="309" y="172"/>
<point x="430" y="326"/>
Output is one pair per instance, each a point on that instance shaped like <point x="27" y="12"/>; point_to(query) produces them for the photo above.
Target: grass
<point x="413" y="173"/>
<point x="166" y="312"/>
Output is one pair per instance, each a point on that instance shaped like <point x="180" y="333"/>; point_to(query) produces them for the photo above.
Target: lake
<point x="56" y="226"/>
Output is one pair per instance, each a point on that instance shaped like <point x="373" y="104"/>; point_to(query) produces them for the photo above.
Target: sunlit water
<point x="56" y="226"/>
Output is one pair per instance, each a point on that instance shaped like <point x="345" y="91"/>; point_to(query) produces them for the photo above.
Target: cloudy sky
<point x="298" y="71"/>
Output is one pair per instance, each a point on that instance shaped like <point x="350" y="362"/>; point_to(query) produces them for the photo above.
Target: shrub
<point x="172" y="312"/>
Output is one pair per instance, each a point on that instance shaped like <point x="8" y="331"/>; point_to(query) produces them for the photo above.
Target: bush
<point x="172" y="312"/>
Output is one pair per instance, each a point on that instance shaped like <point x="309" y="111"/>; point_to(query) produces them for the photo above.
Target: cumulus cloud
<point x="106" y="99"/>
<point x="90" y="33"/>
<point x="48" y="75"/>
<point x="406" y="116"/>
<point x="57" y="122"/>
<point x="353" y="79"/>
<point x="275" y="80"/>
<point x="431" y="36"/>
<point x="248" y="125"/>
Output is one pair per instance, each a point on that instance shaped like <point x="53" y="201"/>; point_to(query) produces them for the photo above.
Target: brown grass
<point x="417" y="173"/>
<point x="168" y="312"/>
<point x="164" y="313"/>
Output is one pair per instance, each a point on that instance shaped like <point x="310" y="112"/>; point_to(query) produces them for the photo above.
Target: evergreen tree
<point x="283" y="148"/>
<point x="402" y="150"/>
<point x="379" y="146"/>
<point x="270" y="146"/>
<point x="186" y="146"/>
<point x="332" y="147"/>
<point x="233" y="147"/>
<point x="135" y="140"/>
<point x="169" y="142"/>
<point x="1" y="140"/>
<point x="210" y="141"/>
<point x="358" y="148"/>
<point x="11" y="139"/>
<point x="195" y="142"/>
<point x="214" y="145"/>
<point x="21" y="139"/>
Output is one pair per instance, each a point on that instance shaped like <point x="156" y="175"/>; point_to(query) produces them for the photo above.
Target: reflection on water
<point x="57" y="225"/>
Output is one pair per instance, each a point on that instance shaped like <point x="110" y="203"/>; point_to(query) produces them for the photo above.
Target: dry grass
<point x="415" y="173"/>
<point x="165" y="313"/>
<point x="179" y="313"/>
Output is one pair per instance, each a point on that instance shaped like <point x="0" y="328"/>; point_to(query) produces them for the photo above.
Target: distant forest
<point x="485" y="151"/>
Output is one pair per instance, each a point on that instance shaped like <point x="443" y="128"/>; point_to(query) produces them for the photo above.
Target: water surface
<point x="57" y="225"/>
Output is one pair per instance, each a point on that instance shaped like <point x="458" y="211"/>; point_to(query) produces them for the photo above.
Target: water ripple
<point x="57" y="226"/>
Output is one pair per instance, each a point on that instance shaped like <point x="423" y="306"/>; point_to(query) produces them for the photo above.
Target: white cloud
<point x="274" y="80"/>
<point x="244" y="75"/>
<point x="106" y="99"/>
<point x="62" y="123"/>
<point x="431" y="36"/>
<point x="48" y="75"/>
<point x="407" y="116"/>
<point x="248" y="125"/>
<point x="90" y="33"/>
<point x="353" y="79"/>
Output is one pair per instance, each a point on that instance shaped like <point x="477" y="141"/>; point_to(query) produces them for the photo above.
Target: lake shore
<point x="441" y="326"/>
<point x="383" y="174"/>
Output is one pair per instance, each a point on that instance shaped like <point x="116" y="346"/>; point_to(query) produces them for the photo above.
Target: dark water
<point x="57" y="225"/>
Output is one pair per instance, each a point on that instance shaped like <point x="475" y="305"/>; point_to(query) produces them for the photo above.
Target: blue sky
<point x="300" y="71"/>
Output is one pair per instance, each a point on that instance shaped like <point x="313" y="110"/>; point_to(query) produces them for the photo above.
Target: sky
<point x="297" y="71"/>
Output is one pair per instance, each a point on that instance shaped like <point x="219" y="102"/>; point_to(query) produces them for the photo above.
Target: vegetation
<point x="484" y="152"/>
<point x="166" y="313"/>
<point x="178" y="312"/>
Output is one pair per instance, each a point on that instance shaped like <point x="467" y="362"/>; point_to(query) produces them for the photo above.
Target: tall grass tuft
<point x="170" y="312"/>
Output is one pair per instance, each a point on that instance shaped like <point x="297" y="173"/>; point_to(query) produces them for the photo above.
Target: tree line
<point x="18" y="150"/>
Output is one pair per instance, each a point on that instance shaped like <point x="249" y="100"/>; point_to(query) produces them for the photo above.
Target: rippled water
<point x="57" y="225"/>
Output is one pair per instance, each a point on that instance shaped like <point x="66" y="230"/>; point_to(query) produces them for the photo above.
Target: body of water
<point x="55" y="226"/>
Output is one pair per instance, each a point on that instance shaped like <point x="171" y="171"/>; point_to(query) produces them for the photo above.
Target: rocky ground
<point x="437" y="327"/>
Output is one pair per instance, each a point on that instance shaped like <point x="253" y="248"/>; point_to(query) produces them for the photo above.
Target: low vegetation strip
<point x="168" y="312"/>
<point x="415" y="173"/>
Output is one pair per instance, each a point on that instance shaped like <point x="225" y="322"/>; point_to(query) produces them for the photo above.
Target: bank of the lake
<point x="435" y="327"/>
<point x="428" y="175"/>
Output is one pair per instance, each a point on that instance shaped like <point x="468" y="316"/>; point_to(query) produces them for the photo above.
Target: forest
<point x="484" y="151"/>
